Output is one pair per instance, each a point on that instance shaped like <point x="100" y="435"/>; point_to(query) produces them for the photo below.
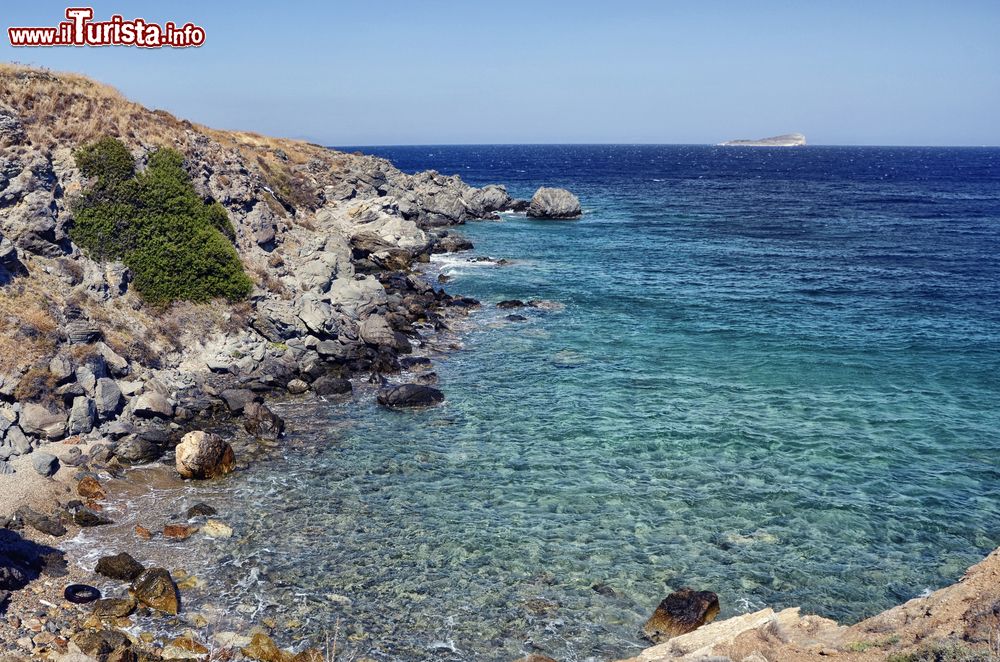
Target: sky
<point x="398" y="72"/>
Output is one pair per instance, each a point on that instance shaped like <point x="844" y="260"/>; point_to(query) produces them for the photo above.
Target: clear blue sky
<point x="539" y="71"/>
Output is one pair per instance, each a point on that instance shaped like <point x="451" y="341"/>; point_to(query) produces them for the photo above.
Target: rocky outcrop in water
<point x="554" y="203"/>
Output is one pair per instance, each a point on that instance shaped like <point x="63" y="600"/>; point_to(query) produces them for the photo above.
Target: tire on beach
<point x="81" y="594"/>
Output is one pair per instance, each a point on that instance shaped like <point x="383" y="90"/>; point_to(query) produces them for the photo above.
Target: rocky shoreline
<point x="94" y="381"/>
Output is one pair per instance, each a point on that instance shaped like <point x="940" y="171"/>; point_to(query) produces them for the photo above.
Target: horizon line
<point x="647" y="144"/>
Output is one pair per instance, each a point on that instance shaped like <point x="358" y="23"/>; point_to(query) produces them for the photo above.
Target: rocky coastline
<point x="94" y="381"/>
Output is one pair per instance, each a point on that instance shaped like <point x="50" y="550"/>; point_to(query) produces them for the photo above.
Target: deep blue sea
<point x="770" y="373"/>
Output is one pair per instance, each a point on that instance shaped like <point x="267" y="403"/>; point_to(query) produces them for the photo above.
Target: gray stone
<point x="18" y="442"/>
<point x="81" y="416"/>
<point x="116" y="364"/>
<point x="107" y="399"/>
<point x="39" y="421"/>
<point x="5" y="469"/>
<point x="61" y="368"/>
<point x="44" y="463"/>
<point x="297" y="386"/>
<point x="136" y="450"/>
<point x="237" y="398"/>
<point x="554" y="203"/>
<point x="152" y="404"/>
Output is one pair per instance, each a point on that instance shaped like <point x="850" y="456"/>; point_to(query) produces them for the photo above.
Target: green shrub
<point x="177" y="246"/>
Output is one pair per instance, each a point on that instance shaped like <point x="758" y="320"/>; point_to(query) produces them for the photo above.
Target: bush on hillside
<point x="177" y="246"/>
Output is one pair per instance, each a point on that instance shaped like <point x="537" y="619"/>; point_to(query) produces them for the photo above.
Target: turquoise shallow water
<point x="770" y="374"/>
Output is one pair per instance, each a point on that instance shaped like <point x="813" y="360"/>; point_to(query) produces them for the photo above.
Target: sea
<point x="771" y="373"/>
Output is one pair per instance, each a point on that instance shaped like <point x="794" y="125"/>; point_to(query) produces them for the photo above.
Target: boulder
<point x="261" y="422"/>
<point x="410" y="395"/>
<point x="681" y="612"/>
<point x="238" y="398"/>
<point x="120" y="566"/>
<point x="81" y="416"/>
<point x="554" y="203"/>
<point x="156" y="589"/>
<point x="152" y="404"/>
<point x="114" y="608"/>
<point x="136" y="450"/>
<point x="297" y="387"/>
<point x="108" y="399"/>
<point x="330" y="385"/>
<point x="44" y="463"/>
<point x="37" y="420"/>
<point x="90" y="488"/>
<point x="203" y="455"/>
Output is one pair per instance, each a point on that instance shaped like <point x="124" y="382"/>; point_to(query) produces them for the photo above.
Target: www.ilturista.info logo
<point x="81" y="30"/>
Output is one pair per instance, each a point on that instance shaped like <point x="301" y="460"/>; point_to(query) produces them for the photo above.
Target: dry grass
<point x="28" y="326"/>
<point x="66" y="108"/>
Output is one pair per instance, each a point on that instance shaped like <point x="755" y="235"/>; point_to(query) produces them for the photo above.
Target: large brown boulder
<point x="681" y="612"/>
<point x="203" y="455"/>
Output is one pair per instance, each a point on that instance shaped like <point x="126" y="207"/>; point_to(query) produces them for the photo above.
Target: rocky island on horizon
<point x="784" y="140"/>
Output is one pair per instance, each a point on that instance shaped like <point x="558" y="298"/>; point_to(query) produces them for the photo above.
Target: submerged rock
<point x="554" y="203"/>
<point x="261" y="422"/>
<point x="681" y="612"/>
<point x="120" y="566"/>
<point x="203" y="455"/>
<point x="156" y="589"/>
<point x="410" y="395"/>
<point x="86" y="517"/>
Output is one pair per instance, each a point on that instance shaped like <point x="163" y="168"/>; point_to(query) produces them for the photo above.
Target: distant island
<point x="786" y="140"/>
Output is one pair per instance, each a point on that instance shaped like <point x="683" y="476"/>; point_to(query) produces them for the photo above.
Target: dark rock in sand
<point x="156" y="589"/>
<point x="681" y="612"/>
<point x="329" y="385"/>
<point x="86" y="517"/>
<point x="43" y="523"/>
<point x="554" y="203"/>
<point x="45" y="464"/>
<point x="120" y="566"/>
<point x="261" y="422"/>
<point x="510" y="303"/>
<point x="410" y="395"/>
